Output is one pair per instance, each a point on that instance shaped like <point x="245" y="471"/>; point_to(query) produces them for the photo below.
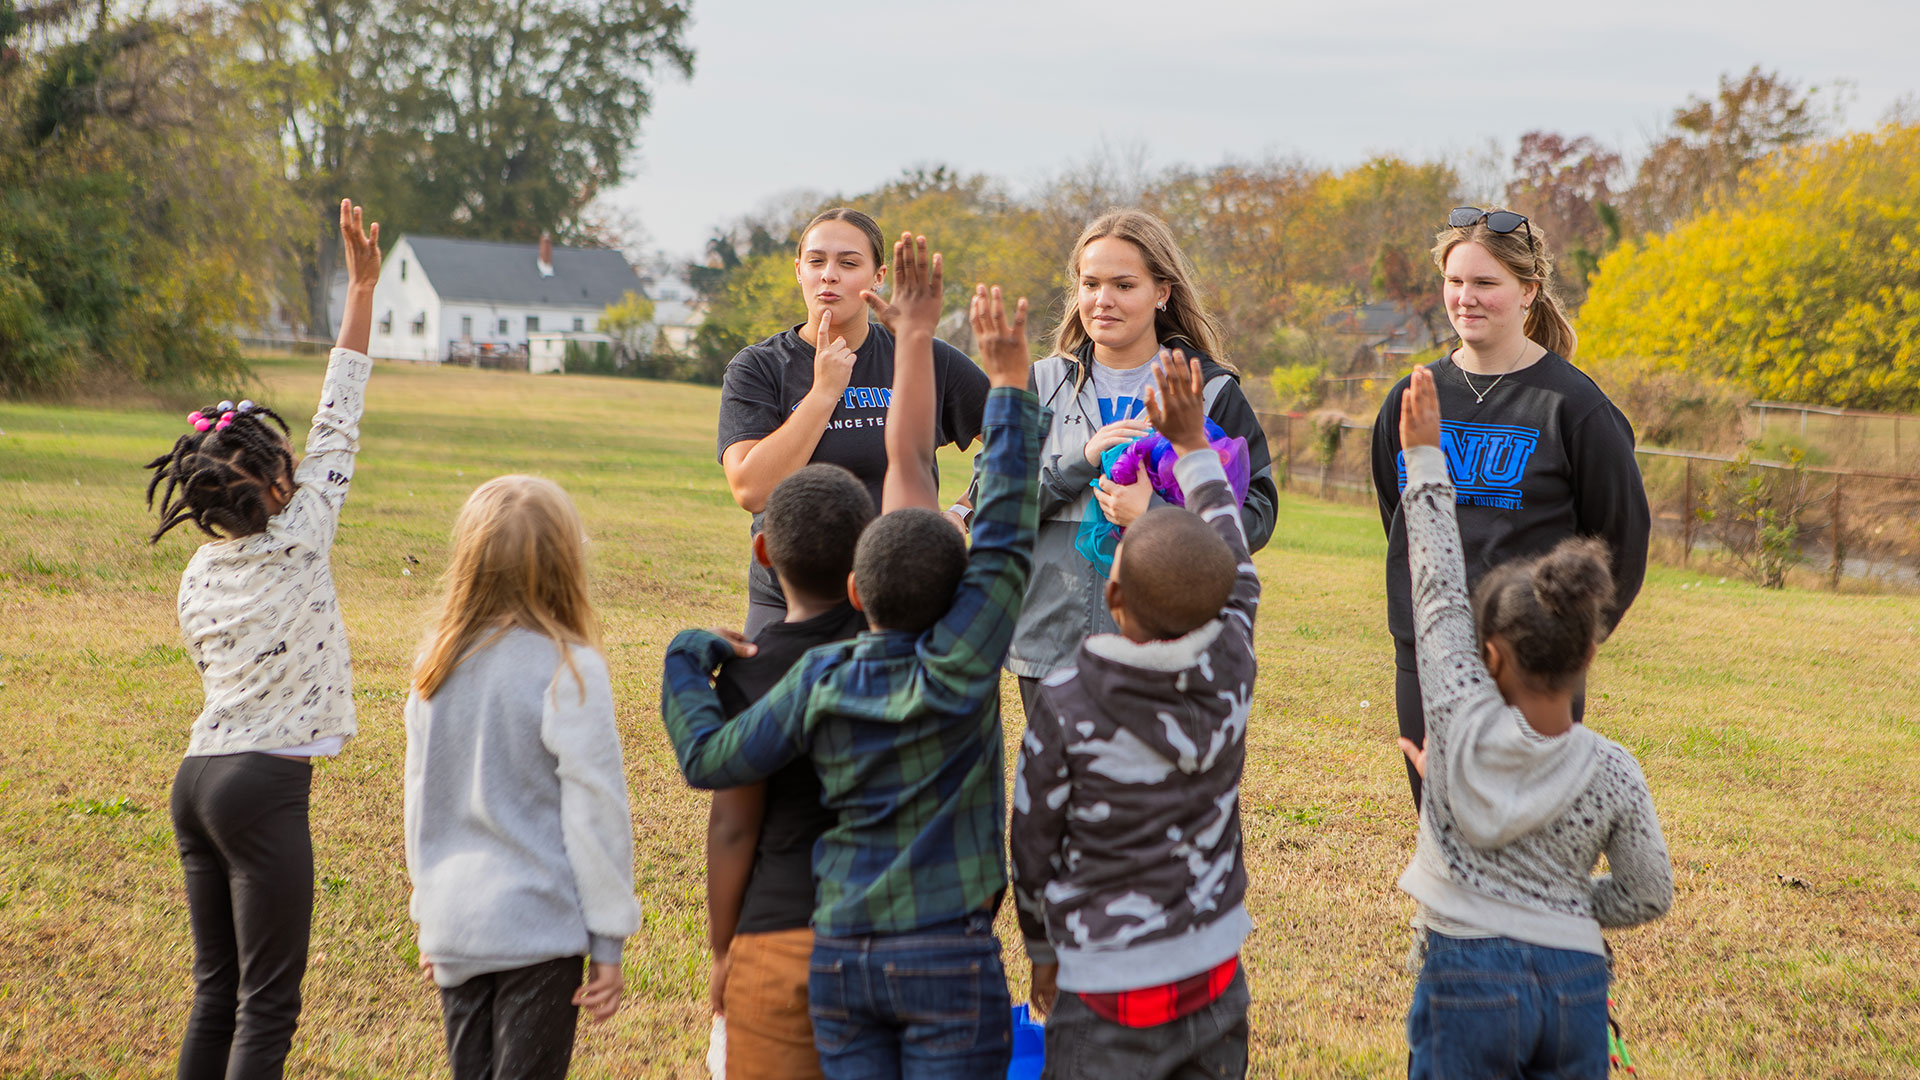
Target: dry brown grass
<point x="1777" y="730"/>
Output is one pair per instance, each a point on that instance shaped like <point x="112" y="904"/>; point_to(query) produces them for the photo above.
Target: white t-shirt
<point x="258" y="612"/>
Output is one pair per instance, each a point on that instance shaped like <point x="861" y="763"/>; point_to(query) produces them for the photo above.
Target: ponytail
<point x="1550" y="610"/>
<point x="1548" y="326"/>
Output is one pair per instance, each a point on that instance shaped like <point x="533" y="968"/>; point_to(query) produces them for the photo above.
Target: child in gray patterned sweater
<point x="1520" y="801"/>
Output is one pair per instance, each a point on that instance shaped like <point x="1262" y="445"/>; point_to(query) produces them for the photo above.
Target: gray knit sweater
<point x="1513" y="821"/>
<point x="518" y="837"/>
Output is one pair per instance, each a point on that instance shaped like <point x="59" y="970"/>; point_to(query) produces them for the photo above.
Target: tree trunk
<point x="317" y="267"/>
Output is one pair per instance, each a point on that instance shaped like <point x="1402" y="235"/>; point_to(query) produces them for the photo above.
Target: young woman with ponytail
<point x="1537" y="453"/>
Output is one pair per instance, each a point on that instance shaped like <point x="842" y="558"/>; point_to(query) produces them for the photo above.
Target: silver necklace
<point x="1481" y="395"/>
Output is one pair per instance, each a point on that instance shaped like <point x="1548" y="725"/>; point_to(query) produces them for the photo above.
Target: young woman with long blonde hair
<point x="518" y="838"/>
<point x="1131" y="294"/>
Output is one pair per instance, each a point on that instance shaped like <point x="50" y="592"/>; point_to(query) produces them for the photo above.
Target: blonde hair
<point x="1547" y="323"/>
<point x="519" y="560"/>
<point x="1185" y="316"/>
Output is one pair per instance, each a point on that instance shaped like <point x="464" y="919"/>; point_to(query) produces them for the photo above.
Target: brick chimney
<point x="546" y="255"/>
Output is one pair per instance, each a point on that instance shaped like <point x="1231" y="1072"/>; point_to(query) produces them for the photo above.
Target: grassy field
<point x="1778" y="731"/>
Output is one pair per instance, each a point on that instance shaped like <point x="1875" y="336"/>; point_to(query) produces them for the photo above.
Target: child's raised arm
<point x="1176" y="405"/>
<point x="912" y="316"/>
<point x="363" y="272"/>
<point x="322" y="478"/>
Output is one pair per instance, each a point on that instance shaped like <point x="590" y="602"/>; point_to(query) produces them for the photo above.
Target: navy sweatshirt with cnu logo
<point x="1544" y="457"/>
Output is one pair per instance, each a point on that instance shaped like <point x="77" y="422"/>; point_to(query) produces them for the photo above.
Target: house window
<point x="503" y="328"/>
<point x="403" y="269"/>
<point x="466" y="327"/>
<point x="420" y="325"/>
<point x="533" y="324"/>
<point x="386" y="324"/>
<point x="579" y="324"/>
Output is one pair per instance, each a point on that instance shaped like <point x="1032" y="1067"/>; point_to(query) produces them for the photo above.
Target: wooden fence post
<point x="1686" y="519"/>
<point x="1839" y="543"/>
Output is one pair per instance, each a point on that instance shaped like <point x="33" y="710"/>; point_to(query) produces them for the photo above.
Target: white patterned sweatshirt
<point x="258" y="612"/>
<point x="1513" y="821"/>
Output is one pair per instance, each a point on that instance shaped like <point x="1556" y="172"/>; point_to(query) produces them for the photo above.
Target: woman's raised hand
<point x="362" y="246"/>
<point x="917" y="281"/>
<point x="1420" y="411"/>
<point x="1003" y="342"/>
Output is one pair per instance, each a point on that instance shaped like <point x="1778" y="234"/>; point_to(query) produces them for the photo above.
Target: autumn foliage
<point x="1802" y="283"/>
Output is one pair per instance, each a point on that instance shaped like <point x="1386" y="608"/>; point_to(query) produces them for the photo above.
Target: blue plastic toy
<point x="1029" y="1046"/>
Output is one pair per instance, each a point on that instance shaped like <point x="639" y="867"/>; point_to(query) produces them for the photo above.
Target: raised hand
<point x="1175" y="402"/>
<point x="362" y="246"/>
<point x="1003" y="343"/>
<point x="917" y="281"/>
<point x="832" y="360"/>
<point x="1420" y="411"/>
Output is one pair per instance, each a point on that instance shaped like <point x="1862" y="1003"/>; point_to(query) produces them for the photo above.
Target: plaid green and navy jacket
<point x="903" y="728"/>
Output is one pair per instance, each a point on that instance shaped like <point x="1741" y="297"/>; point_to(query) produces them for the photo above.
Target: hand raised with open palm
<point x="917" y="282"/>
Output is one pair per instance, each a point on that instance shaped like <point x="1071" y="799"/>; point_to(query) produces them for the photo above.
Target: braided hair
<point x="218" y="475"/>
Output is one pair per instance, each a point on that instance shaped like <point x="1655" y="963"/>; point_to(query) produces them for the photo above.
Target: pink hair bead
<point x="193" y="417"/>
<point x="202" y="424"/>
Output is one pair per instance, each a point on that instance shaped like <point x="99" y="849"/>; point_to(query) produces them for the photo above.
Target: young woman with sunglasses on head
<point x="1536" y="451"/>
<point x="818" y="392"/>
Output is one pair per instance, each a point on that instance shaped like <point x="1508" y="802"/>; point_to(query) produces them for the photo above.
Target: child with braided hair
<point x="258" y="613"/>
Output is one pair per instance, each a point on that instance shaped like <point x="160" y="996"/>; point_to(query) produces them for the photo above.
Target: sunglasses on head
<point x="1499" y="221"/>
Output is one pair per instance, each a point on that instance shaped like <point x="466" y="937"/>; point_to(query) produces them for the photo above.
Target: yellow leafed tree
<point x="1802" y="285"/>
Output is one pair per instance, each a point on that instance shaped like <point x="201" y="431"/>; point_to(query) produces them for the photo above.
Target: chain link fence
<point x="1755" y="517"/>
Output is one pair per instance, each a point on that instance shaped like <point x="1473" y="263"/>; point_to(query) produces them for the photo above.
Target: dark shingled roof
<point x="510" y="274"/>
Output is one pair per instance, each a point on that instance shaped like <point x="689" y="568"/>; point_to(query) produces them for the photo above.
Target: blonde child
<point x="261" y="622"/>
<point x="518" y="837"/>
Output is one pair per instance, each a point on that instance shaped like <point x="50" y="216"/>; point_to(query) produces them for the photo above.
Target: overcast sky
<point x="838" y="98"/>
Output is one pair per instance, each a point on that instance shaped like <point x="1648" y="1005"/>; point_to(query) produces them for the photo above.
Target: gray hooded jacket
<point x="1066" y="598"/>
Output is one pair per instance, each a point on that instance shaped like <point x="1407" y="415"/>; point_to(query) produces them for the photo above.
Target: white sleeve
<point x="578" y="728"/>
<point x="323" y="475"/>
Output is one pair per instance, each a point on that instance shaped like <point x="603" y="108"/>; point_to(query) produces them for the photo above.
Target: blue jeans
<point x="1495" y="1007"/>
<point x="929" y="1005"/>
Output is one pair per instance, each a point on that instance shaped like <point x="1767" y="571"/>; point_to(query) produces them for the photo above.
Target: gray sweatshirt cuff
<point x="1426" y="465"/>
<point x="1197" y="468"/>
<point x="604" y="950"/>
<point x="1041" y="953"/>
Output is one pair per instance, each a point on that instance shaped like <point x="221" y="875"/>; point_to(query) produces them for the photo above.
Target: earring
<point x="1161" y="306"/>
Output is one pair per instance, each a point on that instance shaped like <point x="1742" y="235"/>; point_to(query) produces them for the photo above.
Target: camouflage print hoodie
<point x="1126" y="806"/>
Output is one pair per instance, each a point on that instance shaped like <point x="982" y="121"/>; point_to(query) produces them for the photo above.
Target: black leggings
<point x="240" y="821"/>
<point x="514" y="1024"/>
<point x="1413" y="715"/>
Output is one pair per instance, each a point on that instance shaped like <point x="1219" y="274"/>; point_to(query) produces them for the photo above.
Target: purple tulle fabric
<point x="1155" y="453"/>
<point x="1099" y="537"/>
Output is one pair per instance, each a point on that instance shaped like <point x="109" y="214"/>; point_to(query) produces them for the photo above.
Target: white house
<point x="436" y="295"/>
<point x="677" y="309"/>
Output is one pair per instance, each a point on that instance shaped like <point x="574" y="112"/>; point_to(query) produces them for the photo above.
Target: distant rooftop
<point x="501" y="273"/>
